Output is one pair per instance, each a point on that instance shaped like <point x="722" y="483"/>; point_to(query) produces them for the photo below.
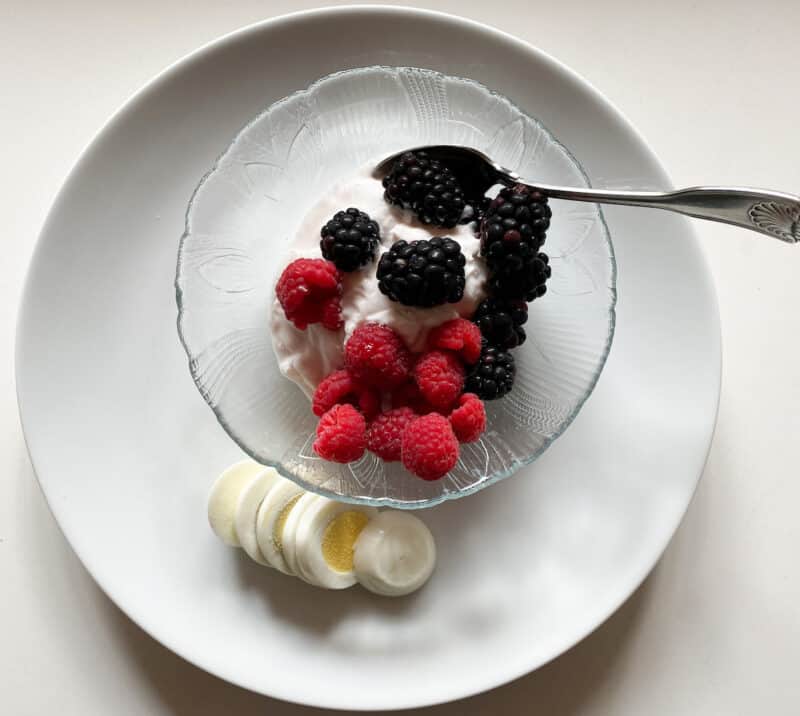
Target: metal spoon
<point x="772" y="213"/>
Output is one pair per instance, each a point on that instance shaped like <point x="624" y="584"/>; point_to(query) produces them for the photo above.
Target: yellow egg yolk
<point x="340" y="536"/>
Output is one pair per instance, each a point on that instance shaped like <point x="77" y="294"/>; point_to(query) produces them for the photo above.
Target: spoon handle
<point x="772" y="213"/>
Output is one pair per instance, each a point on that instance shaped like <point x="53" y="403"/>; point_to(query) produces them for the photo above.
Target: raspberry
<point x="440" y="377"/>
<point x="385" y="433"/>
<point x="429" y="447"/>
<point x="341" y="434"/>
<point x="460" y="336"/>
<point x="331" y="313"/>
<point x="469" y="419"/>
<point x="340" y="387"/>
<point x="377" y="356"/>
<point x="309" y="290"/>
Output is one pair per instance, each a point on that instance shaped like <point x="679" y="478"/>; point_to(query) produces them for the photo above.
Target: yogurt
<point x="308" y="356"/>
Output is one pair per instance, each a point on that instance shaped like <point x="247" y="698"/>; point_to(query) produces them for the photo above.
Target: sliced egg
<point x="223" y="498"/>
<point x="271" y="519"/>
<point x="247" y="509"/>
<point x="325" y="535"/>
<point x="289" y="534"/>
<point x="394" y="554"/>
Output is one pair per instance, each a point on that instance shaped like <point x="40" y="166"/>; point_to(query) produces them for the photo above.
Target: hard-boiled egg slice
<point x="271" y="519"/>
<point x="394" y="554"/>
<point x="223" y="498"/>
<point x="289" y="535"/>
<point x="247" y="509"/>
<point x="324" y="539"/>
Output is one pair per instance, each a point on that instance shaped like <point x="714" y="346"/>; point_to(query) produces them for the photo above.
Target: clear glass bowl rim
<point x="389" y="502"/>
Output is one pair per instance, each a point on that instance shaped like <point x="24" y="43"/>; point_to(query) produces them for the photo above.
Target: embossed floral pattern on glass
<point x="245" y="211"/>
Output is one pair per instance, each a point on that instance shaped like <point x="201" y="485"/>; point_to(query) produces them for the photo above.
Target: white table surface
<point x="716" y="628"/>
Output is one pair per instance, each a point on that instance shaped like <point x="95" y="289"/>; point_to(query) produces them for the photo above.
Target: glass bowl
<point x="243" y="215"/>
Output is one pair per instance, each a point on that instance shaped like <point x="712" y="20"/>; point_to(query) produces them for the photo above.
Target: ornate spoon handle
<point x="769" y="212"/>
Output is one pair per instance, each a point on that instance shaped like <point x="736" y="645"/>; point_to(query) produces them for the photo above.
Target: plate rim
<point x="231" y="38"/>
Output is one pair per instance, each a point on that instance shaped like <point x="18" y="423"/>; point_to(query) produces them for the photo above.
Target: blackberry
<point x="521" y="277"/>
<point x="423" y="273"/>
<point x="512" y="232"/>
<point x="493" y="375"/>
<point x="501" y="322"/>
<point x="518" y="215"/>
<point x="427" y="187"/>
<point x="349" y="239"/>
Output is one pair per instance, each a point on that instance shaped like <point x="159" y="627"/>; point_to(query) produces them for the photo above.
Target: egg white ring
<point x="282" y="493"/>
<point x="223" y="497"/>
<point x="247" y="509"/>
<point x="288" y="538"/>
<point x="394" y="555"/>
<point x="311" y="528"/>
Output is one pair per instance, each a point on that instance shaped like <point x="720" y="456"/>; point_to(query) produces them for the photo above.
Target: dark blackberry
<point x="423" y="273"/>
<point x="493" y="375"/>
<point x="427" y="187"/>
<point x="521" y="277"/>
<point x="501" y="322"/>
<point x="349" y="239"/>
<point x="517" y="215"/>
<point x="512" y="232"/>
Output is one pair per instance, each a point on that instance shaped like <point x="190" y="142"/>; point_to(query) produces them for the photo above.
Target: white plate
<point x="126" y="449"/>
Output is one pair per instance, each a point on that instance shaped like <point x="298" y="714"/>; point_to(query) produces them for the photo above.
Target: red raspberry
<point x="309" y="290"/>
<point x="341" y="434"/>
<point x="385" y="433"/>
<point x="340" y="387"/>
<point x="440" y="377"/>
<point x="331" y="313"/>
<point x="429" y="447"/>
<point x="377" y="356"/>
<point x="469" y="419"/>
<point x="460" y="336"/>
